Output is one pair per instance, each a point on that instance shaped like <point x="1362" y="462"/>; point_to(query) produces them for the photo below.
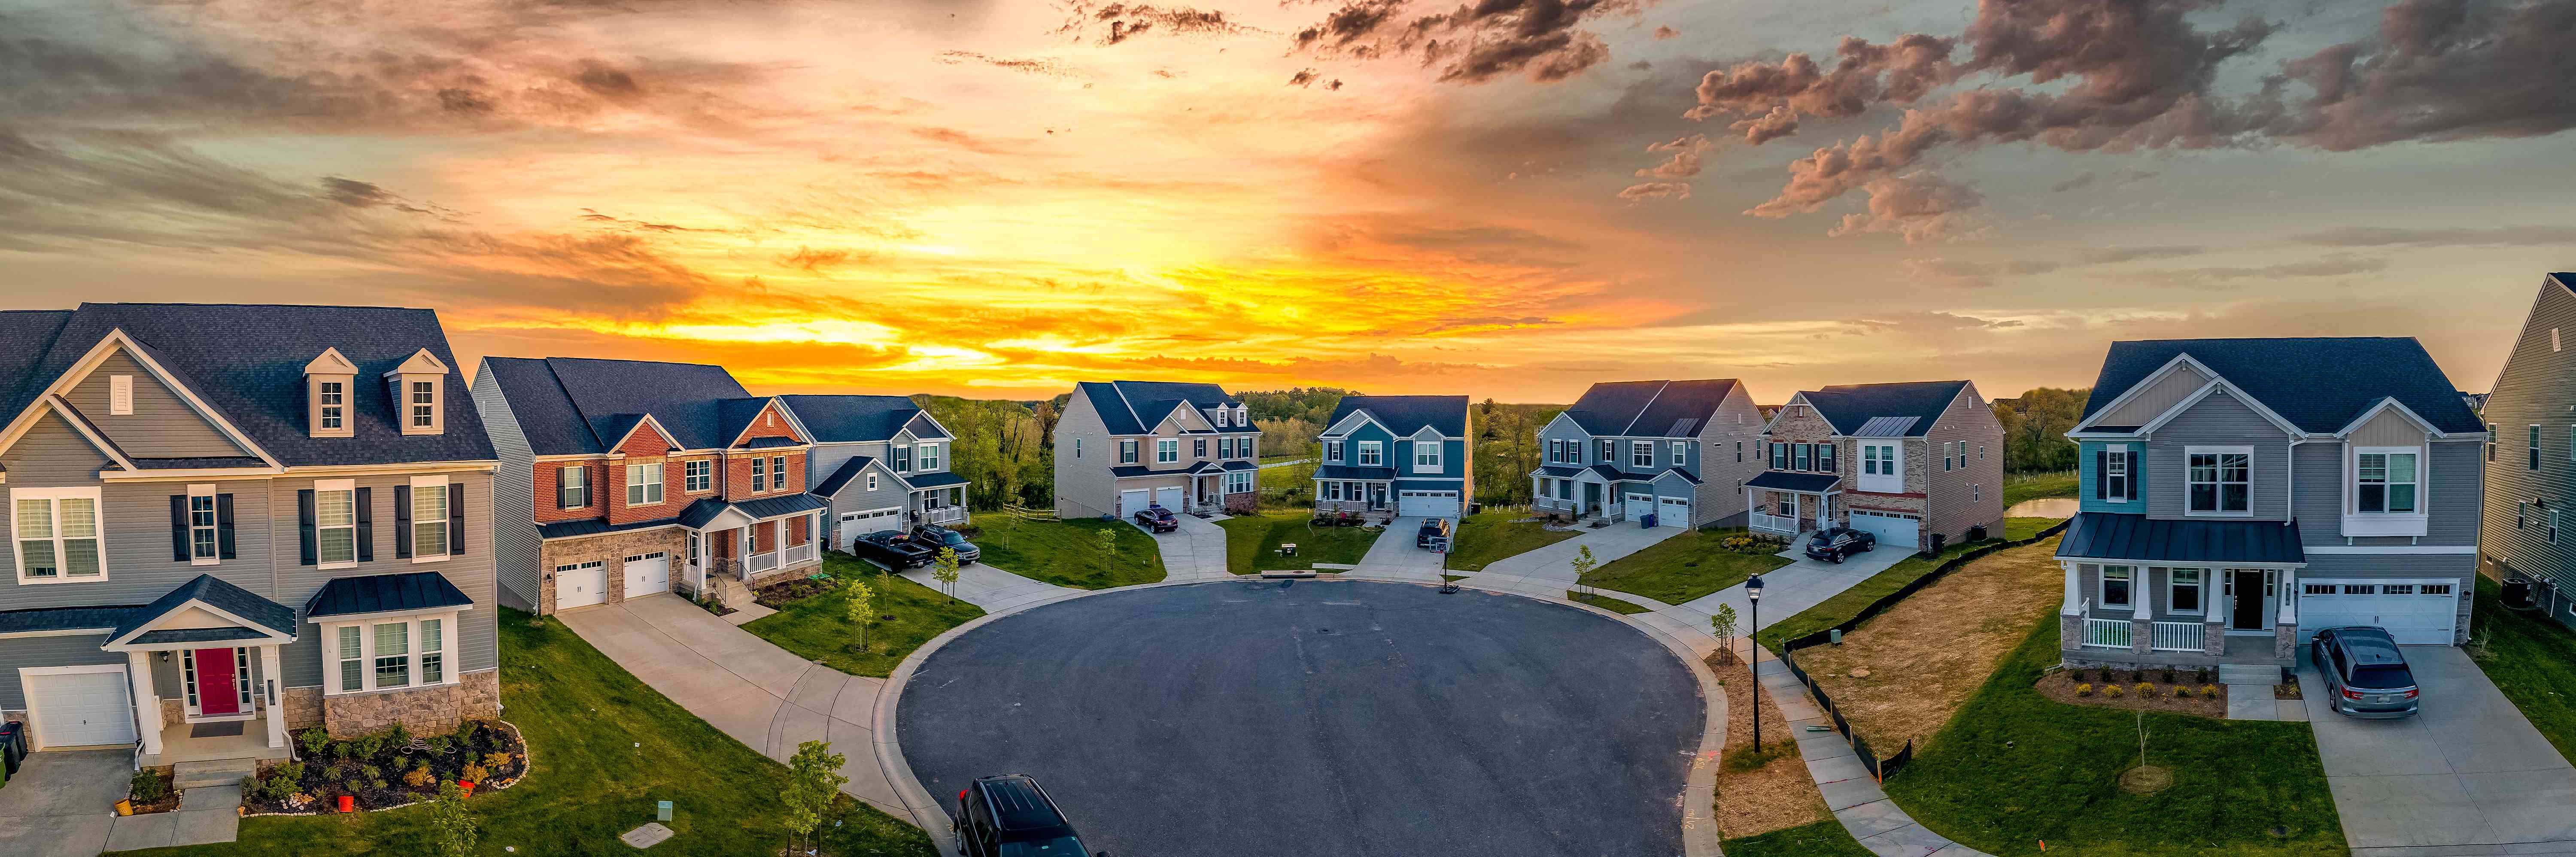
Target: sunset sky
<point x="1504" y="198"/>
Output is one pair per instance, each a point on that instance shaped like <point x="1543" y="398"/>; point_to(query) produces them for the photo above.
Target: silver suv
<point x="2365" y="674"/>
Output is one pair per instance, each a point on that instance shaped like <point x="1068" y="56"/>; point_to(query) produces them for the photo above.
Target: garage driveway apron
<point x="2466" y="775"/>
<point x="1607" y="543"/>
<point x="1394" y="556"/>
<point x="1196" y="551"/>
<point x="762" y="695"/>
<point x="1790" y="588"/>
<point x="991" y="588"/>
<point x="61" y="804"/>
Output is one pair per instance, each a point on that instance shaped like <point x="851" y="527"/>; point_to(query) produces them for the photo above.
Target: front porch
<point x="936" y="498"/>
<point x="746" y="542"/>
<point x="215" y="741"/>
<point x="2090" y="638"/>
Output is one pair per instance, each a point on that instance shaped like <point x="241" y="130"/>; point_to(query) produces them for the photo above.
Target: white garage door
<point x="581" y="585"/>
<point x="1169" y="498"/>
<point x="2416" y="612"/>
<point x="856" y="524"/>
<point x="1638" y="506"/>
<point x="1133" y="501"/>
<point x="648" y="574"/>
<point x="1428" y="504"/>
<point x="82" y="709"/>
<point x="1673" y="512"/>
<point x="1896" y="531"/>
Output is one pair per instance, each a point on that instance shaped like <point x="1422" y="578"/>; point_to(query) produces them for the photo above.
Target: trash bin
<point x="13" y="748"/>
<point x="1646" y="521"/>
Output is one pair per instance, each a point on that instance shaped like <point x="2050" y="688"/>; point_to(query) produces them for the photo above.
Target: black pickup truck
<point x="892" y="549"/>
<point x="934" y="537"/>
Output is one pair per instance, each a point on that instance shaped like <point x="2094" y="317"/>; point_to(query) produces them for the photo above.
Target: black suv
<point x="1834" y="543"/>
<point x="1157" y="519"/>
<point x="1009" y="816"/>
<point x="2364" y="673"/>
<point x="892" y="549"/>
<point x="1435" y="531"/>
<point x="934" y="537"/>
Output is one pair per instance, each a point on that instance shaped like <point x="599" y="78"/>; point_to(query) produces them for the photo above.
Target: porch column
<point x="2074" y="602"/>
<point x="271" y="676"/>
<point x="147" y="705"/>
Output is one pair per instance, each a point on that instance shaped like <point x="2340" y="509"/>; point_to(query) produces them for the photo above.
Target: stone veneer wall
<point x="426" y="711"/>
<point x="612" y="549"/>
<point x="303" y="707"/>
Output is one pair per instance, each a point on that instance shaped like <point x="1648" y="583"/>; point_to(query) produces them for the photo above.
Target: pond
<point x="2046" y="507"/>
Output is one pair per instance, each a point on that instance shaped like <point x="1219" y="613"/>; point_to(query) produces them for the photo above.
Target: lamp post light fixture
<point x="1753" y="595"/>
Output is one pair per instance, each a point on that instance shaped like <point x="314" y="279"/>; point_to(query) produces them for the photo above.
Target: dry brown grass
<point x="1929" y="653"/>
<point x="1777" y="795"/>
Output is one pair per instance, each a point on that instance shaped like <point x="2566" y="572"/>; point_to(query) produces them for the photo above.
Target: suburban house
<point x="1678" y="450"/>
<point x="880" y="461"/>
<point x="1915" y="463"/>
<point x="1408" y="454"/>
<point x="2240" y="494"/>
<point x="1123" y="445"/>
<point x="231" y="521"/>
<point x="624" y="478"/>
<point x="2532" y="478"/>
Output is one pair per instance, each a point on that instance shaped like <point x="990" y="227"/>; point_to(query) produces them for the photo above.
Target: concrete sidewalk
<point x="761" y="695"/>
<point x="991" y="588"/>
<point x="1607" y="544"/>
<point x="1196" y="551"/>
<point x="1849" y="791"/>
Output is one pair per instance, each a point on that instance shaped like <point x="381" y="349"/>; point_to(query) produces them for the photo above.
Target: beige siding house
<point x="1122" y="446"/>
<point x="1911" y="463"/>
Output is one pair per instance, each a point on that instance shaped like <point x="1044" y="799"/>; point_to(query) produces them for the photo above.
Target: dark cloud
<point x="2441" y="70"/>
<point x="1546" y="39"/>
<point x="1040" y="66"/>
<point x="816" y="260"/>
<point x="2484" y="236"/>
<point x="1113" y="23"/>
<point x="1665" y="32"/>
<point x="357" y="194"/>
<point x="606" y="80"/>
<point x="1302" y="78"/>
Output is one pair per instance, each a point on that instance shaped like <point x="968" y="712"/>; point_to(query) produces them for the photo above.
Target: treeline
<point x="2035" y="427"/>
<point x="1004" y="448"/>
<point x="1507" y="449"/>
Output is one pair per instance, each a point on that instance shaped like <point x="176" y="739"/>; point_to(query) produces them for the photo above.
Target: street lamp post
<point x="1753" y="595"/>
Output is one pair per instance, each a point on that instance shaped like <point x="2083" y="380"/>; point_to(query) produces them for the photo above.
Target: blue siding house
<point x="1680" y="451"/>
<point x="1405" y="455"/>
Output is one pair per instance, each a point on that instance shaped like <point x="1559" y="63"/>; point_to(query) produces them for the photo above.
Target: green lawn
<point x="1614" y="605"/>
<point x="819" y="629"/>
<point x="2531" y="659"/>
<point x="1275" y="480"/>
<point x="1252" y="542"/>
<point x="1067" y="553"/>
<point x="1292" y="456"/>
<point x="1825" y="838"/>
<point x="1488" y="536"/>
<point x="2014" y="768"/>
<point x="2017" y="529"/>
<point x="583" y="718"/>
<point x="1683" y="567"/>
<point x="2034" y="486"/>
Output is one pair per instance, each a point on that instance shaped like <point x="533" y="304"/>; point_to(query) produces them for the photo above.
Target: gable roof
<point x="1405" y="415"/>
<point x="246" y="362"/>
<point x="1851" y="408"/>
<point x="850" y="419"/>
<point x="216" y="593"/>
<point x="1650" y="408"/>
<point x="2319" y="384"/>
<point x="842" y="475"/>
<point x="1125" y="407"/>
<point x="578" y="405"/>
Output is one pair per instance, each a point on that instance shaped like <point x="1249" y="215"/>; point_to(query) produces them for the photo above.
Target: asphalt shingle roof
<point x="1649" y="408"/>
<point x="385" y="593"/>
<point x="842" y="475"/>
<point x="1123" y="404"/>
<point x="64" y="618"/>
<point x="2319" y="384"/>
<point x="2138" y="538"/>
<point x="247" y="362"/>
<point x="218" y="594"/>
<point x="1851" y="407"/>
<point x="1405" y="415"/>
<point x="196" y="635"/>
<point x="575" y="405"/>
<point x="853" y="419"/>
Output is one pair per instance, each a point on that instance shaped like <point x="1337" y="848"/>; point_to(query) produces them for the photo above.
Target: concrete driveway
<point x="1196" y="551"/>
<point x="61" y="804"/>
<point x="990" y="588"/>
<point x="1790" y="588"/>
<point x="764" y="696"/>
<point x="1607" y="543"/>
<point x="2467" y="775"/>
<point x="1394" y="554"/>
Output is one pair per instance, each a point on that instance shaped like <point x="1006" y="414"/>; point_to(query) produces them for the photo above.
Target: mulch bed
<point x="2060" y="686"/>
<point x="373" y="768"/>
<point x="1777" y="795"/>
<point x="169" y="796"/>
<point x="790" y="591"/>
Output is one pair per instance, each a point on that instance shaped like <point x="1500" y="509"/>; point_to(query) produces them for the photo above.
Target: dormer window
<point x="333" y="404"/>
<point x="328" y="379"/>
<point x="424" y="405"/>
<point x="418" y="387"/>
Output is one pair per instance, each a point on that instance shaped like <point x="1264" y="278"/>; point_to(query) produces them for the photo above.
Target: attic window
<point x="424" y="404"/>
<point x="334" y="403"/>
<point x="120" y="395"/>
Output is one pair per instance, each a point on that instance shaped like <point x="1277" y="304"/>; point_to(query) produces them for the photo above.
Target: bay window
<point x="2219" y="481"/>
<point x="390" y="653"/>
<point x="57" y="534"/>
<point x="2385" y="482"/>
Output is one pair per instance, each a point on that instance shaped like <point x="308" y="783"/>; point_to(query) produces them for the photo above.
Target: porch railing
<point x="800" y="553"/>
<point x="2106" y="633"/>
<point x="944" y="515"/>
<point x="760" y="562"/>
<point x="1774" y="523"/>
<point x="2178" y="637"/>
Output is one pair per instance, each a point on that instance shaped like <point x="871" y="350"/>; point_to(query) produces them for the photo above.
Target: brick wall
<point x="549" y="478"/>
<point x="646" y="441"/>
<point x="675" y="493"/>
<point x="737" y="475"/>
<point x="769" y="424"/>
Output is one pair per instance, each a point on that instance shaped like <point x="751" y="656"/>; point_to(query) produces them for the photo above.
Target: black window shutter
<point x="224" y="526"/>
<point x="366" y="525"/>
<point x="178" y="528"/>
<point x="2101" y="470"/>
<point x="402" y="522"/>
<point x="304" y="514"/>
<point x="456" y="519"/>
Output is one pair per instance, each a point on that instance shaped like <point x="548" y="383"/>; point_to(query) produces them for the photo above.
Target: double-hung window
<point x="385" y="654"/>
<point x="777" y="475"/>
<point x="2491" y="441"/>
<point x="759" y="472"/>
<point x="1333" y="450"/>
<point x="930" y="456"/>
<point x="572" y="486"/>
<point x="393" y="654"/>
<point x="2115" y="586"/>
<point x="1739" y="452"/>
<point x="424" y="404"/>
<point x="1426" y="455"/>
<point x="1802" y="452"/>
<point x="334" y="404"/>
<point x="204" y="548"/>
<point x="2385" y="482"/>
<point x="335" y="523"/>
<point x="2534" y="452"/>
<point x="902" y="460"/>
<point x="1779" y="455"/>
<point x="2219" y="481"/>
<point x="1825" y="457"/>
<point x="1371" y="455"/>
<point x="1167" y="450"/>
<point x="2182" y="590"/>
<point x="697" y="474"/>
<point x="1127" y="452"/>
<point x="2112" y="484"/>
<point x="429" y="516"/>
<point x="1869" y="459"/>
<point x="1681" y="453"/>
<point x="1608" y="452"/>
<point x="1641" y="453"/>
<point x="1198" y="447"/>
<point x="57" y="533"/>
<point x="644" y="484"/>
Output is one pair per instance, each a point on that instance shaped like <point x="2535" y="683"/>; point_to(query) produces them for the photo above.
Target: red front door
<point x="217" y="694"/>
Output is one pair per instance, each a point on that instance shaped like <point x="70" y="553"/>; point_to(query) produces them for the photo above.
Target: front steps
<point x="2263" y="674"/>
<point x="221" y="772"/>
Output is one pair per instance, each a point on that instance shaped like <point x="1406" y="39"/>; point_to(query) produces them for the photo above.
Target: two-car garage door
<point x="1893" y="530"/>
<point x="1427" y="504"/>
<point x="2416" y="612"/>
<point x="1668" y="511"/>
<point x="80" y="706"/>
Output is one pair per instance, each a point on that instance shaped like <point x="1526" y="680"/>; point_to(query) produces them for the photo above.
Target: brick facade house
<point x="1904" y="461"/>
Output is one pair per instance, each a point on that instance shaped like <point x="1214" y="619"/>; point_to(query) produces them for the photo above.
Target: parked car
<point x="1432" y="528"/>
<point x="1158" y="519"/>
<point x="892" y="549"/>
<point x="1010" y="816"/>
<point x="933" y="537"/>
<point x="1834" y="543"/>
<point x="2364" y="673"/>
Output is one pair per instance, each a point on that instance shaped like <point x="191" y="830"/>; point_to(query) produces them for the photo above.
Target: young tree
<point x="944" y="570"/>
<point x="813" y="778"/>
<point x="1723" y="622"/>
<point x="1108" y="553"/>
<point x="451" y="825"/>
<point x="1583" y="565"/>
<point x="863" y="608"/>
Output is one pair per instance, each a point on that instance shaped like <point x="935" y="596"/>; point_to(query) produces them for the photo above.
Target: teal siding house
<point x="1396" y="455"/>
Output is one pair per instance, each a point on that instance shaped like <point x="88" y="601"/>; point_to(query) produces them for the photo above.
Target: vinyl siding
<point x="46" y="652"/>
<point x="478" y="629"/>
<point x="162" y="425"/>
<point x="1084" y="487"/>
<point x="514" y="510"/>
<point x="1565" y="429"/>
<point x="1720" y="500"/>
<point x="855" y="497"/>
<point x="52" y="455"/>
<point x="825" y="458"/>
<point x="2219" y="420"/>
<point x="2537" y="385"/>
<point x="2155" y="400"/>
<point x="2088" y="466"/>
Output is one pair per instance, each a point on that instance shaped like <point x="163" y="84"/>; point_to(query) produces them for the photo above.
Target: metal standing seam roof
<point x="1351" y="472"/>
<point x="2138" y="538"/>
<point x="385" y="593"/>
<point x="939" y="479"/>
<point x="1886" y="426"/>
<point x="2319" y="384"/>
<point x="1781" y="480"/>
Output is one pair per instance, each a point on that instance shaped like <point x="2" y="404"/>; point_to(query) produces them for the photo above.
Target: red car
<point x="1158" y="519"/>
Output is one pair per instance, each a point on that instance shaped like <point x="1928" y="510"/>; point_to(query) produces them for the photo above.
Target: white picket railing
<point x="800" y="553"/>
<point x="2178" y="637"/>
<point x="944" y="515"/>
<point x="760" y="562"/>
<point x="2106" y="633"/>
<point x="1773" y="523"/>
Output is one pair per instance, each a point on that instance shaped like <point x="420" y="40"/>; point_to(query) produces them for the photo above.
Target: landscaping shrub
<point x="387" y="769"/>
<point x="2145" y="689"/>
<point x="2204" y="676"/>
<point x="2169" y="679"/>
<point x="313" y="740"/>
<point x="420" y="777"/>
<point x="150" y="786"/>
<point x="473" y="773"/>
<point x="280" y="787"/>
<point x="1753" y="544"/>
<point x="2084" y="689"/>
<point x="2180" y="691"/>
<point x="2111" y="690"/>
<point x="2209" y="691"/>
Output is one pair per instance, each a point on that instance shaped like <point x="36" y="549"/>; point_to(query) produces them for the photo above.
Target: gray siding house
<point x="2240" y="494"/>
<point x="881" y="462"/>
<point x="2530" y="459"/>
<point x="1121" y="446"/>
<point x="1678" y="450"/>
<point x="283" y="530"/>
